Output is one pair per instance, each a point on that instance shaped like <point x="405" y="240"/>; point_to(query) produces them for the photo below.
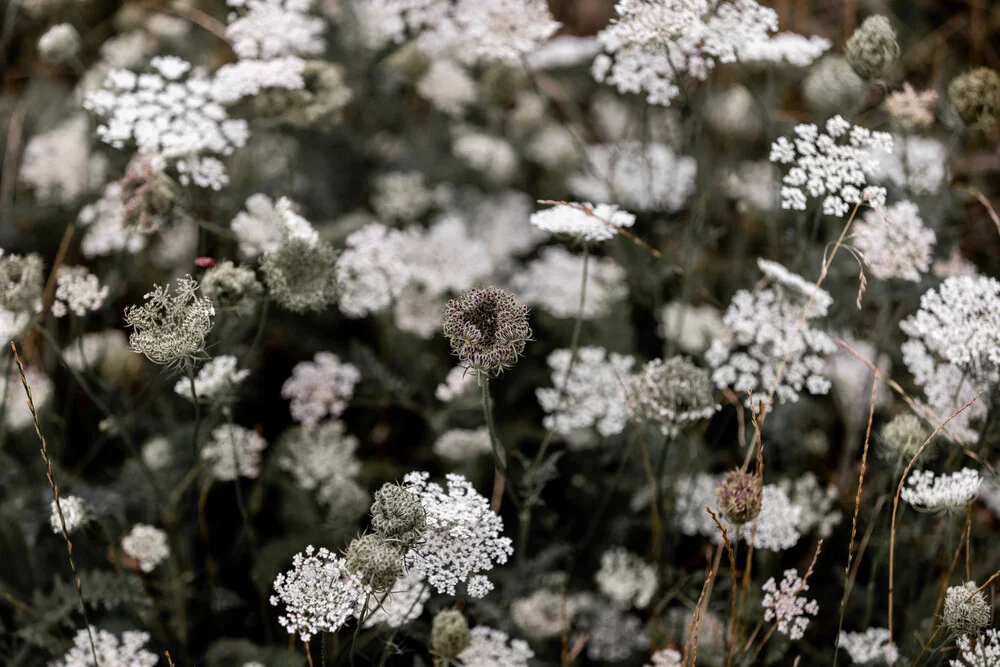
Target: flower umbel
<point x="488" y="329"/>
<point x="170" y="329"/>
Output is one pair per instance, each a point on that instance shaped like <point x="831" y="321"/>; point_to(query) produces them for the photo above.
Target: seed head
<point x="376" y="561"/>
<point x="20" y="282"/>
<point x="873" y="48"/>
<point x="170" y="329"/>
<point x="740" y="495"/>
<point x="232" y="288"/>
<point x="487" y="328"/>
<point x="672" y="393"/>
<point x="300" y="275"/>
<point x="449" y="634"/>
<point x="976" y="96"/>
<point x="964" y="616"/>
<point x="398" y="517"/>
<point x="904" y="435"/>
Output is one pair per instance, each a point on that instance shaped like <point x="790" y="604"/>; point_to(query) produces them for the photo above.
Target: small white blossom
<point x="491" y="156"/>
<point x="147" y="545"/>
<point x="641" y="177"/>
<point x="269" y="29"/>
<point x="320" y="388"/>
<point x="234" y="451"/>
<point x="74" y="510"/>
<point x="464" y="537"/>
<point x="246" y="78"/>
<point x="404" y="603"/>
<point x="817" y="504"/>
<point x="584" y="221"/>
<point x="552" y="283"/>
<point x="401" y="195"/>
<point x="129" y="651"/>
<point x="919" y="164"/>
<point x="15" y="410"/>
<point x="894" y="242"/>
<point x="434" y="265"/>
<point x="666" y="657"/>
<point x="105" y="232"/>
<point x="318" y="594"/>
<point x="216" y="379"/>
<point x="78" y="291"/>
<point x="691" y="328"/>
<point x="985" y="652"/>
<point x="786" y="606"/>
<point x="460" y="444"/>
<point x="448" y="87"/>
<point x="542" y="614"/>
<point x="626" y="578"/>
<point x="266" y="224"/>
<point x="459" y="382"/>
<point x="868" y="647"/>
<point x="316" y="457"/>
<point x="59" y="164"/>
<point x="824" y="167"/>
<point x="491" y="648"/>
<point x="372" y="271"/>
<point x="785" y="47"/>
<point x="944" y="493"/>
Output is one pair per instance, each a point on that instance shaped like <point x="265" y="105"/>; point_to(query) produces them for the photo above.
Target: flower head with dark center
<point x="487" y="328"/>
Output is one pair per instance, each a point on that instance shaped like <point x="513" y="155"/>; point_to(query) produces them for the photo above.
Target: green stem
<point x="197" y="410"/>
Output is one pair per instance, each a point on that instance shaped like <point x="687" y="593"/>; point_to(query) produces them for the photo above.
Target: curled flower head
<point x="300" y="275"/>
<point x="232" y="288"/>
<point x="740" y="495"/>
<point x="398" y="517"/>
<point x="170" y="329"/>
<point x="487" y="328"/>
<point x="375" y="561"/>
<point x="672" y="393"/>
<point x="873" y="48"/>
<point x="966" y="610"/>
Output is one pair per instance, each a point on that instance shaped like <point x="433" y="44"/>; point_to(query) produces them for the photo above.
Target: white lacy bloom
<point x="265" y="224"/>
<point x="626" y="578"/>
<point x="318" y="594"/>
<point x="762" y="325"/>
<point x="401" y="195"/>
<point x="435" y="266"/>
<point x="246" y="78"/>
<point x="691" y="328"/>
<point x="418" y="312"/>
<point x="868" y="647"/>
<point x="448" y="87"/>
<point x="130" y="651"/>
<point x="501" y="222"/>
<point x="817" y="504"/>
<point x="641" y="177"/>
<point x="464" y="536"/>
<point x="460" y="444"/>
<point x="564" y="51"/>
<point x="954" y="265"/>
<point x="613" y="634"/>
<point x="158" y="453"/>
<point x="753" y="184"/>
<point x="894" y="242"/>
<point x="490" y="648"/>
<point x="785" y="47"/>
<point x="105" y="232"/>
<point x="917" y="163"/>
<point x="92" y="349"/>
<point x="271" y="29"/>
<point x="315" y="457"/>
<point x="491" y="156"/>
<point x="944" y="493"/>
<point x="17" y="414"/>
<point x="650" y="44"/>
<point x="541" y="614"/>
<point x="786" y="606"/>
<point x="458" y="383"/>
<point x="147" y="545"/>
<point x="552" y="283"/>
<point x="404" y="603"/>
<point x="234" y="451"/>
<point x="595" y="393"/>
<point x="170" y="117"/>
<point x="78" y="291"/>
<point x="822" y="167"/>
<point x="666" y="657"/>
<point x="74" y="510"/>
<point x="216" y="379"/>
<point x="59" y="165"/>
<point x="584" y="221"/>
<point x="984" y="653"/>
<point x="372" y="270"/>
<point x="320" y="388"/>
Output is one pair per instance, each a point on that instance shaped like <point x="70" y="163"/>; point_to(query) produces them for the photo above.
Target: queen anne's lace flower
<point x="917" y="163"/>
<point x="542" y="614"/>
<point x="672" y="393"/>
<point x="691" y="328"/>
<point x="130" y="651"/>
<point x="318" y="594"/>
<point x="894" y="242"/>
<point x="491" y="156"/>
<point x="594" y="394"/>
<point x="216" y="379"/>
<point x="372" y="270"/>
<point x="448" y="87"/>
<point x="464" y="537"/>
<point x="266" y="224"/>
<point x="785" y="47"/>
<point x="401" y="195"/>
<point x="147" y="545"/>
<point x="320" y="388"/>
<point x="245" y="78"/>
<point x="15" y="412"/>
<point x="272" y="29"/>
<point x="552" y="283"/>
<point x="944" y="493"/>
<point x="59" y="165"/>
<point x="490" y="648"/>
<point x="234" y="451"/>
<point x="762" y="325"/>
<point x="868" y="647"/>
<point x="584" y="221"/>
<point x="170" y="328"/>
<point x="460" y="444"/>
<point x="320" y="456"/>
<point x="170" y="117"/>
<point x="78" y="291"/>
<point x="641" y="177"/>
<point x="487" y="328"/>
<point x="435" y="268"/>
<point x="786" y="606"/>
<point x="404" y="603"/>
<point x="983" y="652"/>
<point x="105" y="231"/>
<point x="459" y="382"/>
<point x="74" y="511"/>
<point x="626" y="579"/>
<point x="822" y="167"/>
<point x="666" y="657"/>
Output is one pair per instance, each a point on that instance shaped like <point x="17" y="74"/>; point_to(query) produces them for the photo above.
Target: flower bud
<point x="449" y="634"/>
<point x="740" y="495"/>
<point x="873" y="48"/>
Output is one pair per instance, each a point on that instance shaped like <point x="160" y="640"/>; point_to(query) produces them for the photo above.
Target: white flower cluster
<point x="818" y="504"/>
<point x="448" y="87"/>
<point x="464" y="537"/>
<point x="490" y="648"/>
<point x="985" y="652"/>
<point x="16" y="413"/>
<point x="641" y="177"/>
<point x="666" y="657"/>
<point x="147" y="545"/>
<point x="785" y="47"/>
<point x="894" y="242"/>
<point x="460" y="444"/>
<point x="868" y="647"/>
<point x="233" y="452"/>
<point x="129" y="651"/>
<point x="491" y="156"/>
<point x="59" y="165"/>
<point x="245" y="78"/>
<point x="216" y="379"/>
<point x="763" y="327"/>
<point x="583" y="221"/>
<point x="626" y="578"/>
<point x="823" y="167"/>
<point x="594" y="393"/>
<point x="105" y="232"/>
<point x="691" y="328"/>
<point x="401" y="195"/>
<point x="171" y="118"/>
<point x="941" y="493"/>
<point x="74" y="510"/>
<point x="458" y="383"/>
<point x="269" y="29"/>
<point x="435" y="268"/>
<point x="318" y="594"/>
<point x="542" y="614"/>
<point x="320" y="456"/>
<point x="404" y="603"/>
<point x="78" y="291"/>
<point x="552" y="283"/>
<point x="320" y="388"/>
<point x="266" y="224"/>
<point x="917" y="163"/>
<point x="786" y="606"/>
<point x="372" y="270"/>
